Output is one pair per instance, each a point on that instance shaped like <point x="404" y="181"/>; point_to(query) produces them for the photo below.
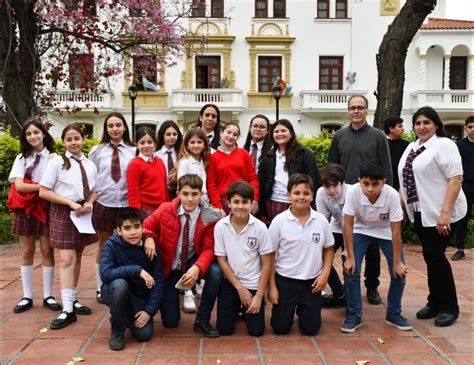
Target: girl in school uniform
<point x="287" y="157"/>
<point x="169" y="142"/>
<point x="194" y="157"/>
<point x="258" y="141"/>
<point x="209" y="121"/>
<point x="37" y="147"/>
<point x="146" y="175"/>
<point x="70" y="184"/>
<point x="227" y="165"/>
<point x="111" y="157"/>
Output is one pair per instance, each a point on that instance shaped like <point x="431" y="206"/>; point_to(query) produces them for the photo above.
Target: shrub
<point x="319" y="146"/>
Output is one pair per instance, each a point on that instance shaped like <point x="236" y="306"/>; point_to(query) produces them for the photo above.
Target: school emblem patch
<point x="316" y="237"/>
<point x="252" y="242"/>
<point x="383" y="216"/>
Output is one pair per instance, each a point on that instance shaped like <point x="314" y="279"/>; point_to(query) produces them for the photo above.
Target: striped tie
<point x="85" y="181"/>
<point x="408" y="178"/>
<point x="29" y="170"/>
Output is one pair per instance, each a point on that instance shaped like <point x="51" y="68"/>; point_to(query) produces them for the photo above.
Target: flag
<point x="288" y="89"/>
<point x="149" y="85"/>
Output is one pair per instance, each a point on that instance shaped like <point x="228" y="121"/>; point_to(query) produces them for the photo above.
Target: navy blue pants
<point x="123" y="306"/>
<point x="228" y="309"/>
<point x="296" y="295"/>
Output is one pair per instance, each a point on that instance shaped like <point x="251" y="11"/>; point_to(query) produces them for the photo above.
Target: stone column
<point x="422" y="80"/>
<point x="470" y="77"/>
<point x="447" y="59"/>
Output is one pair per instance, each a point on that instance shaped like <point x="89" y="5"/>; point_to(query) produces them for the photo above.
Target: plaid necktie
<point x="115" y="170"/>
<point x="85" y="182"/>
<point x="29" y="170"/>
<point x="170" y="161"/>
<point x="185" y="244"/>
<point x="253" y="154"/>
<point x="407" y="175"/>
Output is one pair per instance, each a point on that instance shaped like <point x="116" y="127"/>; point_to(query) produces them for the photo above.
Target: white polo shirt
<point x="68" y="183"/>
<point x="300" y="249"/>
<point x="373" y="219"/>
<point x="21" y="164"/>
<point x="331" y="208"/>
<point x="243" y="250"/>
<point x="112" y="194"/>
<point x="432" y="168"/>
<point x="280" y="186"/>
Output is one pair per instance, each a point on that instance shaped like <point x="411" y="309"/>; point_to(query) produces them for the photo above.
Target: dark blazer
<point x="305" y="164"/>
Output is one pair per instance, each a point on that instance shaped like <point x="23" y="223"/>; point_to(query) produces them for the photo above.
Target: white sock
<point x="48" y="277"/>
<point x="97" y="276"/>
<point x="67" y="296"/>
<point x="27" y="280"/>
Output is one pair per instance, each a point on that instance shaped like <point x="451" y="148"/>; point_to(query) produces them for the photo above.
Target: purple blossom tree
<point x="42" y="41"/>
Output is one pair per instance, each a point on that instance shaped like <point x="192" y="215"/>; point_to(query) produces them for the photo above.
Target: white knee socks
<point x="48" y="277"/>
<point x="27" y="280"/>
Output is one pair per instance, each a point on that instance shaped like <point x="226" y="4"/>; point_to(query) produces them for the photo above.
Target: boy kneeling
<point x="243" y="249"/>
<point x="132" y="284"/>
<point x="375" y="208"/>
<point x="303" y="241"/>
<point x="183" y="231"/>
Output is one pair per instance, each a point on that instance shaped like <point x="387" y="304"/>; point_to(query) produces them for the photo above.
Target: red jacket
<point x="164" y="227"/>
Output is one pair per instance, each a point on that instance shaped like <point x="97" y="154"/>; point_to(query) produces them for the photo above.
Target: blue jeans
<point x="123" y="306"/>
<point x="170" y="313"/>
<point x="395" y="292"/>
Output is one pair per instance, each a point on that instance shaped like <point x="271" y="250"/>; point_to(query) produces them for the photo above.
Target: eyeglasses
<point x="256" y="126"/>
<point x="357" y="107"/>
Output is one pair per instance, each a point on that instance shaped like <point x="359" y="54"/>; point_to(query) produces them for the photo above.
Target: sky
<point x="460" y="9"/>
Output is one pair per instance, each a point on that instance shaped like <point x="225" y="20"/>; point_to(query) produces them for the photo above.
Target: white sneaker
<point x="189" y="305"/>
<point x="199" y="287"/>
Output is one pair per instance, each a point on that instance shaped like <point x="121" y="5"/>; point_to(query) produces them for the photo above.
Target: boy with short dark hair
<point x="330" y="200"/>
<point x="393" y="127"/>
<point x="466" y="150"/>
<point x="132" y="284"/>
<point x="302" y="241"/>
<point x="183" y="232"/>
<point x="243" y="249"/>
<point x="372" y="212"/>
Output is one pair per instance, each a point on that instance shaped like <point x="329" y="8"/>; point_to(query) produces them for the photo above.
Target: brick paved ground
<point x="23" y="343"/>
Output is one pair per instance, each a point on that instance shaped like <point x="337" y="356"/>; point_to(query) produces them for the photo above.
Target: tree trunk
<point x="392" y="55"/>
<point x="18" y="60"/>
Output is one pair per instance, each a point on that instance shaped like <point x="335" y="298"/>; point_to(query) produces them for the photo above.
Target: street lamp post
<point x="277" y="96"/>
<point x="132" y="94"/>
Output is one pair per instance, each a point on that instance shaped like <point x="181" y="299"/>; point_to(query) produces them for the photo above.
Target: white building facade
<point x="325" y="49"/>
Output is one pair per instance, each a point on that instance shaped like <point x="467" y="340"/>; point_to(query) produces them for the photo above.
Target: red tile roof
<point x="441" y="23"/>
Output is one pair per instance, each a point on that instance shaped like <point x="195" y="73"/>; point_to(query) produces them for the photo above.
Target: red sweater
<point x="225" y="169"/>
<point x="164" y="226"/>
<point x="146" y="182"/>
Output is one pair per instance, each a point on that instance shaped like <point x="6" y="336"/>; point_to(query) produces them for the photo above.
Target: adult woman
<point x="209" y="120"/>
<point x="431" y="174"/>
<point x="287" y="157"/>
<point x="258" y="141"/>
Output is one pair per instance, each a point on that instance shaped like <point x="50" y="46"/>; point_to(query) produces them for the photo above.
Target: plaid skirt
<point x="104" y="218"/>
<point x="28" y="226"/>
<point x="63" y="234"/>
<point x="274" y="208"/>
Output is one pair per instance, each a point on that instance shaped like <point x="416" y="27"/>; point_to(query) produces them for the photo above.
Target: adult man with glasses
<point x="350" y="146"/>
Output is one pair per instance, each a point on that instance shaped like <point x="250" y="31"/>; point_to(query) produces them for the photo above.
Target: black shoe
<point x="117" y="341"/>
<point x="51" y="303"/>
<point x="445" y="319"/>
<point x="81" y="309"/>
<point x="205" y="329"/>
<point x="374" y="297"/>
<point x="458" y="255"/>
<point x="23" y="307"/>
<point x="98" y="297"/>
<point x="427" y="312"/>
<point x="330" y="301"/>
<point x="63" y="320"/>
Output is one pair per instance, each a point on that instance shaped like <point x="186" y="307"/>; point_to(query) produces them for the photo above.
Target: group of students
<point x="185" y="209"/>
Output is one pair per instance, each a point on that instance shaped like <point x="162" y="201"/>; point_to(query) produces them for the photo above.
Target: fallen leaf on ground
<point x="380" y="340"/>
<point x="77" y="359"/>
<point x="43" y="330"/>
<point x="362" y="362"/>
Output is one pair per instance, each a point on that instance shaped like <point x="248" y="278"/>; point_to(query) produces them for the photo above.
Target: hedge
<point x="319" y="146"/>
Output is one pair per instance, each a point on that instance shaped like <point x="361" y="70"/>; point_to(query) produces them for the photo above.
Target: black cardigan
<point x="305" y="164"/>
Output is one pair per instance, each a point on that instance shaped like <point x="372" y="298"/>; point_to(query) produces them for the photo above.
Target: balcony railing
<point x="444" y="99"/>
<point x="332" y="100"/>
<point x="194" y="99"/>
<point x="76" y="98"/>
